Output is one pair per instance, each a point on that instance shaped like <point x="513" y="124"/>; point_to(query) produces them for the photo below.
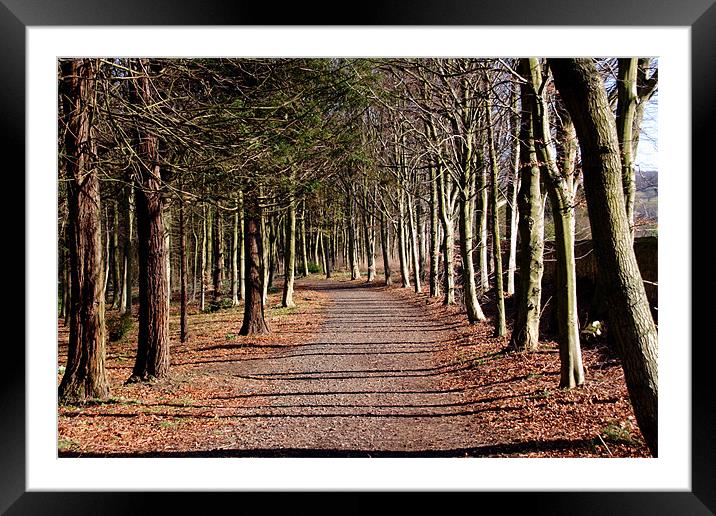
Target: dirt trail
<point x="369" y="380"/>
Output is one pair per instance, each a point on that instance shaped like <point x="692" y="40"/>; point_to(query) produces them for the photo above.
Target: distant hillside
<point x="647" y="215"/>
<point x="647" y="205"/>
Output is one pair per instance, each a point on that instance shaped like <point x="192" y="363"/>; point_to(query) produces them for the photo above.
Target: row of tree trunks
<point x="630" y="318"/>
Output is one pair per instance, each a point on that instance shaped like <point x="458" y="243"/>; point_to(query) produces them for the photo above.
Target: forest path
<point x="369" y="380"/>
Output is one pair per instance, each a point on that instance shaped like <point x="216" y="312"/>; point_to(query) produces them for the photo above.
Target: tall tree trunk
<point x="317" y="257"/>
<point x="561" y="194"/>
<point x="153" y="341"/>
<point x="218" y="255"/>
<point x="402" y="245"/>
<point x="106" y="259"/>
<point x="272" y="254"/>
<point x="204" y="255"/>
<point x="127" y="253"/>
<point x="352" y="240"/>
<point x="474" y="311"/>
<point x="525" y="331"/>
<point x="630" y="319"/>
<point x="385" y="245"/>
<point x="304" y="244"/>
<point x="446" y="217"/>
<point x="265" y="250"/>
<point x="195" y="261"/>
<point x="168" y="252"/>
<point x="114" y="256"/>
<point x="242" y="248"/>
<point x="183" y="323"/>
<point x="626" y="108"/>
<point x="500" y="325"/>
<point x="326" y="255"/>
<point x="414" y="247"/>
<point x="482" y="225"/>
<point x="209" y="247"/>
<point x="420" y="219"/>
<point x="369" y="233"/>
<point x="322" y="253"/>
<point x="466" y="188"/>
<point x="290" y="252"/>
<point x="514" y="181"/>
<point x="235" y="259"/>
<point x="254" y="321"/>
<point x="65" y="261"/>
<point x="434" y="241"/>
<point x="85" y="375"/>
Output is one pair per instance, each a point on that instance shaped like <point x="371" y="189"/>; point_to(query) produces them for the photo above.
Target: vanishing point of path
<point x="368" y="381"/>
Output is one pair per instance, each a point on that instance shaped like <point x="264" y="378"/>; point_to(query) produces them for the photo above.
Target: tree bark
<point x="420" y="224"/>
<point x="204" y="254"/>
<point x="630" y="319"/>
<point x="402" y="245"/>
<point x="434" y="241"/>
<point x="385" y="249"/>
<point x="446" y="217"/>
<point x="114" y="256"/>
<point x="561" y="193"/>
<point x="235" y="259"/>
<point x="153" y="341"/>
<point x="626" y="109"/>
<point x="326" y="255"/>
<point x="304" y="244"/>
<point x="218" y="256"/>
<point x="414" y="246"/>
<point x="352" y="251"/>
<point x="500" y="325"/>
<point x="183" y="273"/>
<point x="254" y="321"/>
<point x="369" y="232"/>
<point x="481" y="228"/>
<point x="85" y="375"/>
<point x="290" y="253"/>
<point x="512" y="211"/>
<point x="525" y="332"/>
<point x="209" y="246"/>
<point x="242" y="248"/>
<point x="474" y="311"/>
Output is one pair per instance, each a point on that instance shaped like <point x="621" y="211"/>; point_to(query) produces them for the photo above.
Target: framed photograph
<point x="36" y="33"/>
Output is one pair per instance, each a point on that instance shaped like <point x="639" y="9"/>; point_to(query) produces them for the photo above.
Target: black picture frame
<point x="699" y="15"/>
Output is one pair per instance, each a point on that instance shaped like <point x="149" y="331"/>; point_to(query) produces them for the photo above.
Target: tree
<point x="630" y="319"/>
<point x="85" y="375"/>
<point x="152" y="360"/>
<point x="254" y="320"/>
<point x="561" y="191"/>
<point x="500" y="325"/>
<point x="525" y="330"/>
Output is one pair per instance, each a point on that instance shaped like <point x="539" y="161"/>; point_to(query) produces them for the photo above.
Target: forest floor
<point x="354" y="370"/>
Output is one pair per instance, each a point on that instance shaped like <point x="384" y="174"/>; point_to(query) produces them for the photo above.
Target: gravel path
<point x="369" y="381"/>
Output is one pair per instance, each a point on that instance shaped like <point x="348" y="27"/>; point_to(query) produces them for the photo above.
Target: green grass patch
<point x="66" y="444"/>
<point x="543" y="394"/>
<point x="215" y="306"/>
<point x="614" y="432"/>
